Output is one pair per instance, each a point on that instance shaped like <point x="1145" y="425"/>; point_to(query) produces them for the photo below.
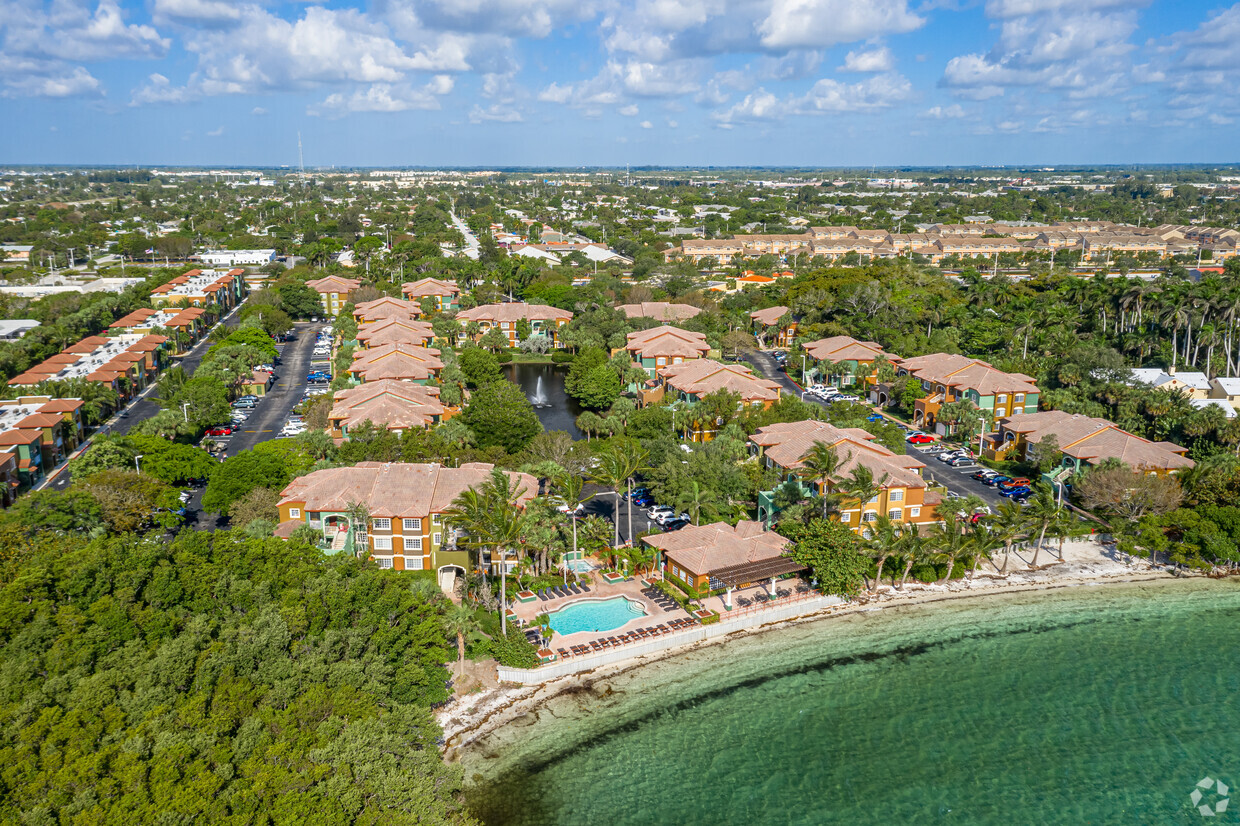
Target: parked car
<point x="947" y="456"/>
<point x="877" y="417"/>
<point x="1019" y="482"/>
<point x="220" y="430"/>
<point x="664" y="519"/>
<point x="961" y="460"/>
<point x="674" y="524"/>
<point x="643" y="501"/>
<point x="920" y="439"/>
<point x="660" y="510"/>
<point x="1012" y="493"/>
<point x="638" y="491"/>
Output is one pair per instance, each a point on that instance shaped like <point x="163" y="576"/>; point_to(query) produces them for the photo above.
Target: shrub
<point x="514" y="651"/>
<point x="503" y="358"/>
<point x="561" y="357"/>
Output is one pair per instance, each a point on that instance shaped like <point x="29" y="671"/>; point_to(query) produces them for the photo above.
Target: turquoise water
<point x="1083" y="705"/>
<point x="595" y="615"/>
<point x="580" y="566"/>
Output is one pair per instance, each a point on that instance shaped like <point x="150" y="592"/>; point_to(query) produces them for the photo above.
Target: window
<point x="294" y="513"/>
<point x="413" y="525"/>
<point x="383" y="524"/>
<point x="894" y="514"/>
<point x="660" y="361"/>
<point x="437" y="539"/>
<point x="436" y="519"/>
<point x="413" y="543"/>
<point x="872" y="500"/>
<point x="845" y="517"/>
<point x="895" y="495"/>
<point x="383" y="543"/>
<point x="361" y="538"/>
<point x="413" y="563"/>
<point x="914" y="511"/>
<point x="385" y="562"/>
<point x="869" y="516"/>
<point x="1019" y="397"/>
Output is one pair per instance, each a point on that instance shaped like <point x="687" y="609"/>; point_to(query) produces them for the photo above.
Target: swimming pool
<point x="580" y="566"/>
<point x="595" y="615"/>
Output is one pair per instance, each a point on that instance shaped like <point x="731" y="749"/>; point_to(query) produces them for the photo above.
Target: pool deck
<point x="743" y="600"/>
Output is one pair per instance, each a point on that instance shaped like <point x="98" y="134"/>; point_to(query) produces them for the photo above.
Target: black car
<point x="674" y="525"/>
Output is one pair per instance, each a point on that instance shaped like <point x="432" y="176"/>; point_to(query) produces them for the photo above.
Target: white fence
<point x="728" y="624"/>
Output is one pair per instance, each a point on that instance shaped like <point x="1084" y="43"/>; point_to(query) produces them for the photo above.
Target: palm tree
<point x="459" y="621"/>
<point x="1042" y="512"/>
<point x="693" y="499"/>
<point x="569" y="487"/>
<point x="862" y="485"/>
<point x="494" y="520"/>
<point x="823" y="462"/>
<point x="913" y="549"/>
<point x="617" y="464"/>
<point x="983" y="542"/>
<point x="1008" y="523"/>
<point x="949" y="542"/>
<point x="884" y="544"/>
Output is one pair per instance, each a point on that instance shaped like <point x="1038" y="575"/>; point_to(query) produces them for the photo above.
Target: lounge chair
<point x="585" y="589"/>
<point x="574" y="588"/>
<point x="564" y="655"/>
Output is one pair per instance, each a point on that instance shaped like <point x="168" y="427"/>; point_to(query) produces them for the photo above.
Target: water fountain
<point x="539" y="398"/>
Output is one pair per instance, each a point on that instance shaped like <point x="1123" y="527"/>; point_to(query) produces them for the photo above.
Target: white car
<point x="660" y="510"/>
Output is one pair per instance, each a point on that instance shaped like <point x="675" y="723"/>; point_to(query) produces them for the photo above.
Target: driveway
<point x="955" y="479"/>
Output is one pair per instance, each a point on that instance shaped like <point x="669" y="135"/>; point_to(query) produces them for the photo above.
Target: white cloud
<point x="215" y="133"/>
<point x="196" y="12"/>
<point x="159" y="89"/>
<point x="70" y="30"/>
<point x="646" y="125"/>
<point x="556" y="93"/>
<point x="951" y="112"/>
<point x="878" y="92"/>
<point x="874" y="60"/>
<point x="495" y="112"/>
<point x="35" y="77"/>
<point x="820" y="23"/>
<point x="757" y="105"/>
<point x="628" y="111"/>
<point x="384" y="97"/>
<point x="258" y="111"/>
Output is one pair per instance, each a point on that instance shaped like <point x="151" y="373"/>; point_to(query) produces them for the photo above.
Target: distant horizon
<point x="657" y="83"/>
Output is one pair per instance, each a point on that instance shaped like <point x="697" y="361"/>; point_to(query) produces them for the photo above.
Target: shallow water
<point x="1083" y="705"/>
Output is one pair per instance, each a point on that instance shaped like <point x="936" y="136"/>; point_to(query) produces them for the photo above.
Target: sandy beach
<point x="1087" y="563"/>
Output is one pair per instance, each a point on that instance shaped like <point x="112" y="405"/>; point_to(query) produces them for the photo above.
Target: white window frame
<point x="895" y="515"/>
<point x="436" y="519"/>
<point x="895" y="495"/>
<point x="869" y="516"/>
<point x="383" y="543"/>
<point x="413" y="563"/>
<point x="413" y="543"/>
<point x="437" y="539"/>
<point x="294" y="513"/>
<point x="382" y="523"/>
<point x="414" y="524"/>
<point x="914" y="511"/>
<point x="385" y="562"/>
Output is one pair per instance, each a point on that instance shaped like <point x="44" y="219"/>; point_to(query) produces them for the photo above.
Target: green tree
<point x="479" y="366"/>
<point x="599" y="388"/>
<point x="494" y="339"/>
<point x="132" y="501"/>
<point x="832" y="552"/>
<point x="241" y="474"/>
<point x="499" y="415"/>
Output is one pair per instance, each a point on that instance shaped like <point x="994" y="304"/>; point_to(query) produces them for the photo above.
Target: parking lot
<point x="271" y="412"/>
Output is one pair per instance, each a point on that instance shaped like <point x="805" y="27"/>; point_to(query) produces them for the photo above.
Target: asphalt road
<point x="603" y="504"/>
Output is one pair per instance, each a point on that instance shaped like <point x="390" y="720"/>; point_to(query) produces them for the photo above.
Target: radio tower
<point x="301" y="161"/>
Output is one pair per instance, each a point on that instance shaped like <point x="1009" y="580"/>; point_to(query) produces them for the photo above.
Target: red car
<point x="920" y="439"/>
<point x="1020" y="482"/>
<point x="221" y="430"/>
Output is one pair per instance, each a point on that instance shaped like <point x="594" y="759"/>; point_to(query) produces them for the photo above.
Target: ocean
<point x="1084" y="705"/>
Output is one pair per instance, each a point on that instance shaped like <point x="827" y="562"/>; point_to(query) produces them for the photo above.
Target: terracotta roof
<point x="396" y="361"/>
<point x="430" y="286"/>
<point x="967" y="373"/>
<point x="513" y="312"/>
<point x="659" y="310"/>
<point x="20" y="436"/>
<point x="134" y="318"/>
<point x="668" y="342"/>
<point x="394" y="404"/>
<point x="61" y="406"/>
<point x="1095" y="440"/>
<point x="41" y="419"/>
<point x="396" y="331"/>
<point x="395" y="490"/>
<point x="707" y="548"/>
<point x="769" y="316"/>
<point x="701" y="377"/>
<point x="334" y="284"/>
<point x="786" y="444"/>
<point x="845" y="348"/>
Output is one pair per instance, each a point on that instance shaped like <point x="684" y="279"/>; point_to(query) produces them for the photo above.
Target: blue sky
<point x="610" y="82"/>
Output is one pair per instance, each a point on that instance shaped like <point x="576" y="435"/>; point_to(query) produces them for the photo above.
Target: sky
<point x="490" y="83"/>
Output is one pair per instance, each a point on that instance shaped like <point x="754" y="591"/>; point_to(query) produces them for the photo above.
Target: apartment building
<point x="405" y="529"/>
<point x="1082" y="441"/>
<point x="127" y="363"/>
<point x="392" y="404"/>
<point x="189" y="321"/>
<point x="543" y="320"/>
<point x="947" y="377"/>
<point x="903" y="496"/>
<point x="37" y="433"/>
<point x="208" y="289"/>
<point x="694" y="380"/>
<point x="334" y="291"/>
<point x="661" y="346"/>
<point x="718" y="556"/>
<point x="444" y="295"/>
<point x="842" y="360"/>
<point x="775" y="327"/>
<point x="395" y="331"/>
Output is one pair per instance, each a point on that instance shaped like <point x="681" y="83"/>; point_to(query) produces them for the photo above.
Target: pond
<point x="543" y="385"/>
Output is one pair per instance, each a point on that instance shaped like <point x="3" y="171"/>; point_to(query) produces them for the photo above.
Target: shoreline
<point x="471" y="717"/>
